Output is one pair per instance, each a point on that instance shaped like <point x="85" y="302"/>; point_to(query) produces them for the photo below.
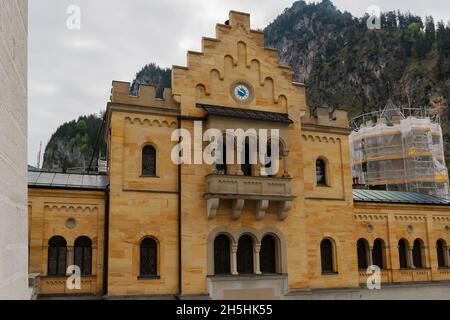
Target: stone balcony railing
<point x="58" y="285"/>
<point x="407" y="275"/>
<point x="411" y="275"/>
<point x="240" y="189"/>
<point x="385" y="276"/>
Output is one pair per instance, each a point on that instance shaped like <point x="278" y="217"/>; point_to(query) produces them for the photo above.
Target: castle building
<point x="153" y="227"/>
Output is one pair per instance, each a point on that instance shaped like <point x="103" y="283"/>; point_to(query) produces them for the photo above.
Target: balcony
<point x="412" y="275"/>
<point x="385" y="276"/>
<point x="240" y="189"/>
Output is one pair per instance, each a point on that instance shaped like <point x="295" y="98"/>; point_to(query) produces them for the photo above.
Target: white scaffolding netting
<point x="393" y="152"/>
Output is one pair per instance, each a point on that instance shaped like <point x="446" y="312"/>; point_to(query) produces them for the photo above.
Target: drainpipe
<point x="106" y="244"/>
<point x="180" y="277"/>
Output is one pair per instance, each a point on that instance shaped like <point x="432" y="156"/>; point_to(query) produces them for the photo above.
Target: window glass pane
<point x="320" y="172"/>
<point x="362" y="254"/>
<point x="417" y="254"/>
<point x="149" y="161"/>
<point x="222" y="255"/>
<point x="267" y="255"/>
<point x="148" y="255"/>
<point x="245" y="255"/>
<point x="402" y="254"/>
<point x="57" y="254"/>
<point x="326" y="256"/>
<point x="440" y="253"/>
<point x="377" y="254"/>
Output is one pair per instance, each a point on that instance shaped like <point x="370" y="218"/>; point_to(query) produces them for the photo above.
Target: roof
<point x="381" y="196"/>
<point x="31" y="168"/>
<point x="245" y="113"/>
<point x="67" y="181"/>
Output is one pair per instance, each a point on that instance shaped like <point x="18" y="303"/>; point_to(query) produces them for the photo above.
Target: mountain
<point x="343" y="63"/>
<point x="73" y="143"/>
<point x="154" y="75"/>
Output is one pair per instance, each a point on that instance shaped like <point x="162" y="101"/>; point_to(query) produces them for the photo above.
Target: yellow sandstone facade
<point x="195" y="231"/>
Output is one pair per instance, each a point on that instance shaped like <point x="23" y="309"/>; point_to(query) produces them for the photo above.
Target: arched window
<point x="245" y="255"/>
<point x="362" y="254"/>
<point x="377" y="253"/>
<point x="403" y="253"/>
<point x="417" y="253"/>
<point x="441" y="252"/>
<point x="246" y="167"/>
<point x="83" y="255"/>
<point x="268" y="157"/>
<point x="149" y="258"/>
<point x="57" y="255"/>
<point x="222" y="156"/>
<point x="149" y="161"/>
<point x="268" y="255"/>
<point x="326" y="254"/>
<point x="222" y="255"/>
<point x="321" y="173"/>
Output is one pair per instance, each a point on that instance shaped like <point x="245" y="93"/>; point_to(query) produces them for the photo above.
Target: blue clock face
<point x="242" y="92"/>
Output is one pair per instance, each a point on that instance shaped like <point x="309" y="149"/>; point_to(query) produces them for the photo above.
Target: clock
<point x="242" y="92"/>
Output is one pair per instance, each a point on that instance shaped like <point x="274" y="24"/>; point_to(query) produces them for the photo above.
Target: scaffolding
<point x="391" y="151"/>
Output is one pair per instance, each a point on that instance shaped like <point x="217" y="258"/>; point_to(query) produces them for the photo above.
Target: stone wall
<point x="13" y="153"/>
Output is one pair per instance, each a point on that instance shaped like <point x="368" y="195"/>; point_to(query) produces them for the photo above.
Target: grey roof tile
<point x="382" y="196"/>
<point x="67" y="181"/>
<point x="245" y="113"/>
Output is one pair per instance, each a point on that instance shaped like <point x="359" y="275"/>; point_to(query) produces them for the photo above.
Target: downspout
<point x="180" y="276"/>
<point x="106" y="243"/>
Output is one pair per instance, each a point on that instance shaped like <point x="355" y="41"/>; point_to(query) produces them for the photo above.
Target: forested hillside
<point x="343" y="63"/>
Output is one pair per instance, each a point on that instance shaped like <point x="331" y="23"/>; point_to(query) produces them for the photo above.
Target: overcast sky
<point x="70" y="71"/>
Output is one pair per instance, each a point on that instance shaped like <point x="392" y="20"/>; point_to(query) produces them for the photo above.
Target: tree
<point x="391" y="20"/>
<point x="430" y="32"/>
<point x="443" y="38"/>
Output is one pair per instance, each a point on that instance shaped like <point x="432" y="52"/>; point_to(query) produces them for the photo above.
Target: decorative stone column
<point x="447" y="256"/>
<point x="256" y="259"/>
<point x="370" y="260"/>
<point x="285" y="155"/>
<point x="410" y="261"/>
<point x="70" y="256"/>
<point x="214" y="168"/>
<point x="234" y="249"/>
<point x="239" y="151"/>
